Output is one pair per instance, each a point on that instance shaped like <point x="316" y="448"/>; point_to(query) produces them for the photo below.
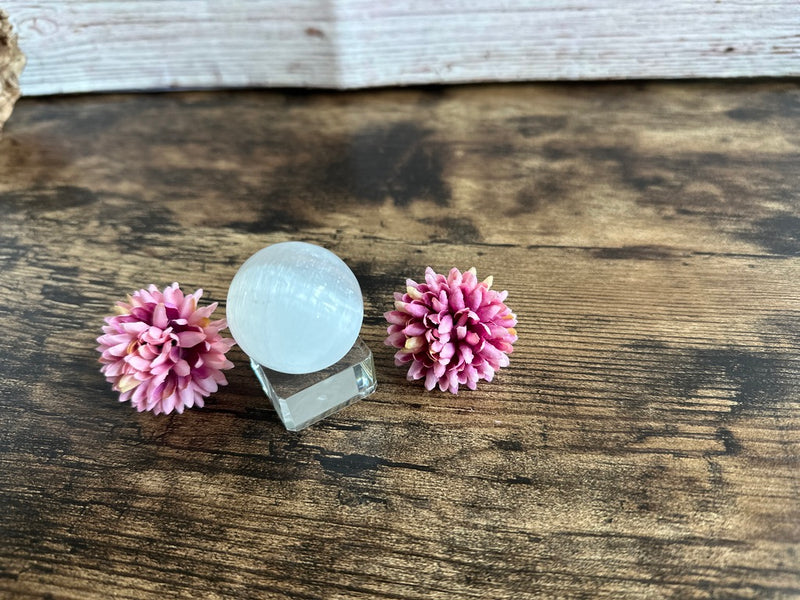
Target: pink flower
<point x="452" y="330"/>
<point x="162" y="352"/>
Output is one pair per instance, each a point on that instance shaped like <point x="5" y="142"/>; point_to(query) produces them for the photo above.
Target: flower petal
<point x="416" y="370"/>
<point x="416" y="309"/>
<point x="415" y="328"/>
<point x="395" y="317"/>
<point x="397" y="340"/>
<point x="447" y="351"/>
<point x="160" y="319"/>
<point x="182" y="368"/>
<point x="430" y="380"/>
<point x="188" y="339"/>
<point x="414" y="344"/>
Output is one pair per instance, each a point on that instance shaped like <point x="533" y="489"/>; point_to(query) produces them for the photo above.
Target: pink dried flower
<point x="453" y="330"/>
<point x="162" y="352"/>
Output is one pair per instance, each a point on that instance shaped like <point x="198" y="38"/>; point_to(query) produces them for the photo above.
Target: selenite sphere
<point x="295" y="307"/>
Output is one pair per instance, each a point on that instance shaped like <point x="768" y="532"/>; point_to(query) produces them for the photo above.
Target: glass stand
<point x="302" y="400"/>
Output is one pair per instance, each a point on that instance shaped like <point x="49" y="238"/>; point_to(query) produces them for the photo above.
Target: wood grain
<point x="95" y="45"/>
<point x="644" y="442"/>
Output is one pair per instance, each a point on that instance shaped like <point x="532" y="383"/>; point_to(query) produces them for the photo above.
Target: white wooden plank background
<point x="92" y="45"/>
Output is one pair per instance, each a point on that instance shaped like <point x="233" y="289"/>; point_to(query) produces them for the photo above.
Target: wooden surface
<point x="644" y="442"/>
<point x="82" y="46"/>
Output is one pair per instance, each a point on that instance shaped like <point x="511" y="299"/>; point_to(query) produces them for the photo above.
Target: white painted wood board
<point x="102" y="45"/>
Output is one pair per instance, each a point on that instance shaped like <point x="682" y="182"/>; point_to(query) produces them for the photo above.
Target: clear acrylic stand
<point x="302" y="400"/>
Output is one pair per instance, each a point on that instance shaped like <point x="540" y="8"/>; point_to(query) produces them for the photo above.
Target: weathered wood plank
<point x="80" y="46"/>
<point x="644" y="442"/>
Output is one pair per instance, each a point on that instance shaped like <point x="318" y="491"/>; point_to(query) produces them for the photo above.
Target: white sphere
<point x="295" y="307"/>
